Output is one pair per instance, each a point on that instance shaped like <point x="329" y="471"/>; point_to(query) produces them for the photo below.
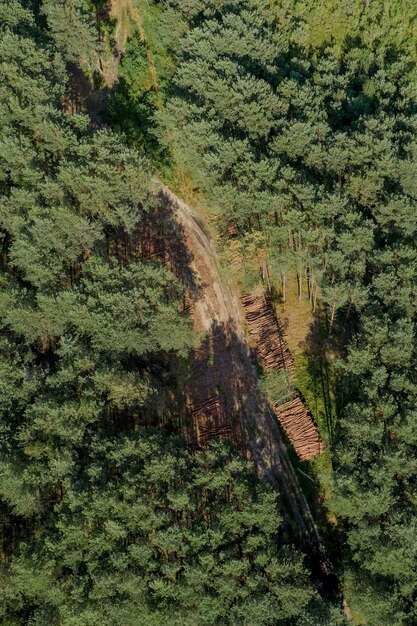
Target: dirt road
<point x="217" y="302"/>
<point x="218" y="306"/>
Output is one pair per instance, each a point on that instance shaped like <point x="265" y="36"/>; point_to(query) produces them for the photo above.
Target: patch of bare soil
<point x="216" y="303"/>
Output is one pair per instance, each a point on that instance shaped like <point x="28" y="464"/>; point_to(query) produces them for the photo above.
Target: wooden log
<point x="300" y="429"/>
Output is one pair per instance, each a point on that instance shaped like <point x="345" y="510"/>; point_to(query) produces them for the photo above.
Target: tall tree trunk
<point x="308" y="275"/>
<point x="332" y="315"/>
<point x="267" y="276"/>
<point x="300" y="285"/>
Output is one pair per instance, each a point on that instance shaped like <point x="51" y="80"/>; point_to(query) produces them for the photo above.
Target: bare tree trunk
<point x="267" y="276"/>
<point x="308" y="275"/>
<point x="283" y="286"/>
<point x="300" y="285"/>
<point x="332" y="314"/>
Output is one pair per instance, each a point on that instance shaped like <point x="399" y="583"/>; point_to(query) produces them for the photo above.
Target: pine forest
<point x="208" y="313"/>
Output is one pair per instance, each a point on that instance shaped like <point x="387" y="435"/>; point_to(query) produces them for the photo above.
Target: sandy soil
<point x="217" y="303"/>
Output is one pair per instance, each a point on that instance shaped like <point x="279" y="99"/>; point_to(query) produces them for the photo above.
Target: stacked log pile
<point x="293" y="415"/>
<point x="207" y="433"/>
<point x="300" y="428"/>
<point x="267" y="332"/>
<point x="209" y="421"/>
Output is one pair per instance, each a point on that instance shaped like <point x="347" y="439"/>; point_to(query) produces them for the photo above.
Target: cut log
<point x="300" y="428"/>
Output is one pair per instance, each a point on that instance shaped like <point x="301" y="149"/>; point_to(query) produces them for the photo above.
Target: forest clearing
<point x="223" y="397"/>
<point x="270" y="343"/>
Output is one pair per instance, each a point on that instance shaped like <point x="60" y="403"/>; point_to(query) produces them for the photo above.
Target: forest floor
<point x="296" y="315"/>
<point x="126" y="16"/>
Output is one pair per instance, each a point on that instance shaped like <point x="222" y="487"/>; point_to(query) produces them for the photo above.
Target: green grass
<point x="314" y="381"/>
<point x="275" y="385"/>
<point x="162" y="35"/>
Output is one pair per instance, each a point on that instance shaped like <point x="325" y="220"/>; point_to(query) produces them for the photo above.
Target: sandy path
<point x="217" y="302"/>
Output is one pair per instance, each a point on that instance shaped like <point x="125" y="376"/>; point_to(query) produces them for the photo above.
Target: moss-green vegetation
<point x="276" y="387"/>
<point x="107" y="516"/>
<point x="152" y="534"/>
<point x="299" y="124"/>
<point x="321" y="22"/>
<point x="136" y="97"/>
<point x="296" y="121"/>
<point x="144" y="78"/>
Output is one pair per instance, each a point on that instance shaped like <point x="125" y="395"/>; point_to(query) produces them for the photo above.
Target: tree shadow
<point x="319" y="355"/>
<point x="82" y="95"/>
<point x="225" y="369"/>
<point x="158" y="237"/>
<point x="218" y="372"/>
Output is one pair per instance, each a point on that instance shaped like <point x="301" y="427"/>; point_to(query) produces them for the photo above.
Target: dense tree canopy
<point x="298" y="122"/>
<point x="148" y="533"/>
<point x="104" y="521"/>
<point x="315" y="148"/>
<point x="72" y="316"/>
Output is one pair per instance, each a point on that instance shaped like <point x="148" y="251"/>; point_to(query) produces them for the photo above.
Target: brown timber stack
<point x="267" y="332"/>
<point x="300" y="428"/>
<point x="293" y="415"/>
